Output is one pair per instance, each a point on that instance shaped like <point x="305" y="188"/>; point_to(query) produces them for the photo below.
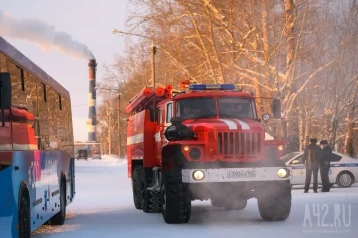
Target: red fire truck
<point x="205" y="142"/>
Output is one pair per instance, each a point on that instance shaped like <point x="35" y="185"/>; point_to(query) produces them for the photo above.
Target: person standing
<point x="325" y="165"/>
<point x="312" y="157"/>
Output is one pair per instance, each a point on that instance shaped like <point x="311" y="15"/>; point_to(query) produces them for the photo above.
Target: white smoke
<point x="43" y="35"/>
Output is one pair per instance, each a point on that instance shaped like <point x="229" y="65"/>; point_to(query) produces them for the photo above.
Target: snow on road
<point x="103" y="207"/>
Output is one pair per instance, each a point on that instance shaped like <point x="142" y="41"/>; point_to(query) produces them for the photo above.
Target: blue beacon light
<point x="198" y="87"/>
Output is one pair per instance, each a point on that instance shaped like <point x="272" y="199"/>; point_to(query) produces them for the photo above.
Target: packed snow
<point x="103" y="207"/>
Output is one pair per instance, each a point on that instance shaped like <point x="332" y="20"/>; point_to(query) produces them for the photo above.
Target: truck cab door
<point x="165" y="114"/>
<point x="158" y="132"/>
<point x="167" y="117"/>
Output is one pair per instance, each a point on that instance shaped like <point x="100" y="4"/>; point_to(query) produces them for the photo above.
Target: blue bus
<point x="37" y="166"/>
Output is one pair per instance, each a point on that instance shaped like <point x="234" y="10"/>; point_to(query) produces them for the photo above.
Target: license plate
<point x="241" y="174"/>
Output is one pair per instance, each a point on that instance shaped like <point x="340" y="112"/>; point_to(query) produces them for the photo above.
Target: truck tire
<point x="59" y="218"/>
<point x="24" y="218"/>
<point x="276" y="206"/>
<point x="137" y="187"/>
<point x="176" y="204"/>
<point x="151" y="200"/>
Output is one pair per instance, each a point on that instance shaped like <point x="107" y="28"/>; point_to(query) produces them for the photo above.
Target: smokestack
<point x="92" y="117"/>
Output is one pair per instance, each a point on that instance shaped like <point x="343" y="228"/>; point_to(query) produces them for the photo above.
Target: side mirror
<point x="295" y="161"/>
<point x="276" y="108"/>
<point x="5" y="91"/>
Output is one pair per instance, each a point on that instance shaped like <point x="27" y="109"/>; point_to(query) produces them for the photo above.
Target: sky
<point x="89" y="22"/>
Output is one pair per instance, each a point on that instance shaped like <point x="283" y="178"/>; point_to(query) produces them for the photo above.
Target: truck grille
<point x="239" y="143"/>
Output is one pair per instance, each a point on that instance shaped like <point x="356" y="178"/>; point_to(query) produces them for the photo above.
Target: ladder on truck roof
<point x="146" y="97"/>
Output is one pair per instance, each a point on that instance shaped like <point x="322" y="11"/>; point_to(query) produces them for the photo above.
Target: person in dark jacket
<point x="325" y="165"/>
<point x="312" y="157"/>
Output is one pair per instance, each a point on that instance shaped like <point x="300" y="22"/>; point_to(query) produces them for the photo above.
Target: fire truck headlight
<point x="283" y="173"/>
<point x="280" y="147"/>
<point x="186" y="148"/>
<point x="198" y="175"/>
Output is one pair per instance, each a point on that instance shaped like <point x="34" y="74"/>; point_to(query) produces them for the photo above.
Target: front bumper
<point x="236" y="175"/>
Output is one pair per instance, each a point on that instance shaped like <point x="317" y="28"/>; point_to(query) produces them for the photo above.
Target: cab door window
<point x="159" y="116"/>
<point x="169" y="112"/>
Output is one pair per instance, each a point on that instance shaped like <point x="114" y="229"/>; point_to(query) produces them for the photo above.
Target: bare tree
<point x="302" y="52"/>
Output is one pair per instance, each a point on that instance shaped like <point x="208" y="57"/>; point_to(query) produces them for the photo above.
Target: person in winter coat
<point x="325" y="165"/>
<point x="312" y="157"/>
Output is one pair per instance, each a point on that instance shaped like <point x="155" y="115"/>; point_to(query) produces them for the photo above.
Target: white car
<point x="343" y="170"/>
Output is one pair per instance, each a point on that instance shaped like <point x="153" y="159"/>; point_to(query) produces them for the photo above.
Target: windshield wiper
<point x="227" y="115"/>
<point x="205" y="116"/>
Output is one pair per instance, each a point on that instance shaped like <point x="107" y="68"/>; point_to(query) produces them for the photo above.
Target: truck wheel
<point x="176" y="204"/>
<point x="136" y="187"/>
<point x="59" y="218"/>
<point x="151" y="201"/>
<point x="276" y="207"/>
<point x="236" y="205"/>
<point x="24" y="230"/>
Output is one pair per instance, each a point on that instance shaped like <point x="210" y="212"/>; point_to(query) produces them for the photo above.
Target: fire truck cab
<point x="206" y="143"/>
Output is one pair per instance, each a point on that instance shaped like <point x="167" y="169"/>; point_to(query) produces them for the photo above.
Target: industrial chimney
<point x="92" y="117"/>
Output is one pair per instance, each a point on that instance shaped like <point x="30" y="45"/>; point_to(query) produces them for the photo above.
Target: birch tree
<point x="301" y="52"/>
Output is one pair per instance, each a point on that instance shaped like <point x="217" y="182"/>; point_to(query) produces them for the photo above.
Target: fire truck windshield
<point x="228" y="107"/>
<point x="196" y="108"/>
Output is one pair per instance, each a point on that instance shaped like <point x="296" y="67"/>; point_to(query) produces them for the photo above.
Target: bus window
<point x="2" y="63"/>
<point x="31" y="104"/>
<point x="59" y="102"/>
<point x="42" y="114"/>
<point x="44" y="93"/>
<point x="17" y="84"/>
<point x="53" y="116"/>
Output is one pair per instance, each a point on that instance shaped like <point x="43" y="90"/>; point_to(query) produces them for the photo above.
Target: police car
<point x="343" y="171"/>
